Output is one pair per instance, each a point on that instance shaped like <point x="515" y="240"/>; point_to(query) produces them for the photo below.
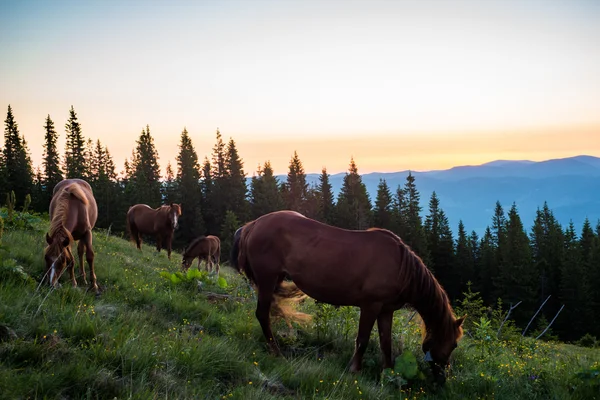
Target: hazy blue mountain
<point x="570" y="186"/>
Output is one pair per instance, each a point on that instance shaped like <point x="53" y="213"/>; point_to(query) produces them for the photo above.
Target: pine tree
<point x="517" y="278"/>
<point x="236" y="188"/>
<point x="440" y="247"/>
<point x="547" y="247"/>
<point x="594" y="276"/>
<point x="16" y="172"/>
<point x="382" y="215"/>
<point x="189" y="193"/>
<point x="207" y="188"/>
<point x="103" y="180"/>
<point x="400" y="214"/>
<point x="218" y="196"/>
<point x="144" y="185"/>
<point x="294" y="191"/>
<point x="325" y="199"/>
<point x="75" y="148"/>
<point x="265" y="196"/>
<point x="52" y="173"/>
<point x="169" y="186"/>
<point x="228" y="228"/>
<point x="465" y="258"/>
<point x="499" y="243"/>
<point x="487" y="267"/>
<point x="573" y="291"/>
<point x="414" y="234"/>
<point x="353" y="208"/>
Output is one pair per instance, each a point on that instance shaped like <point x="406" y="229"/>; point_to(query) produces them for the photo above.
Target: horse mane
<point x="423" y="291"/>
<point x="61" y="210"/>
<point x="193" y="243"/>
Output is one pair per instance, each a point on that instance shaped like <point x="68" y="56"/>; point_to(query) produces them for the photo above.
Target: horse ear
<point x="66" y="242"/>
<point x="48" y="239"/>
<point x="460" y="321"/>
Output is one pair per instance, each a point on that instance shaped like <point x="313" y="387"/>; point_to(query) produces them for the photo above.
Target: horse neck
<point x="63" y="219"/>
<point x="430" y="300"/>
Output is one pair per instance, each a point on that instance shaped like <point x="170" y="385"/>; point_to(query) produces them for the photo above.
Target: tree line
<point x="508" y="262"/>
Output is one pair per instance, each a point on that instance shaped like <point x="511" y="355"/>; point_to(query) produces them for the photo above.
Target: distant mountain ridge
<point x="570" y="186"/>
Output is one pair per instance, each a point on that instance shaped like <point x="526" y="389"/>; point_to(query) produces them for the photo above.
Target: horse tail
<point x="234" y="256"/>
<point x="285" y="300"/>
<point x="131" y="226"/>
<point x="78" y="193"/>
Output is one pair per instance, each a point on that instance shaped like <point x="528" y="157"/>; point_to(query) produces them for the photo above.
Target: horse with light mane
<point x="73" y="214"/>
<point x="160" y="222"/>
<point x="371" y="269"/>
<point x="206" y="248"/>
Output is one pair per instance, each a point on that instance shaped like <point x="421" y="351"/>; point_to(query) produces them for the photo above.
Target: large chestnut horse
<point x="371" y="269"/>
<point x="73" y="214"/>
<point x="160" y="222"/>
<point x="206" y="248"/>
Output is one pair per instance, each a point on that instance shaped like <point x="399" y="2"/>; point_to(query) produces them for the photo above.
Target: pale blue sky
<point x="280" y="75"/>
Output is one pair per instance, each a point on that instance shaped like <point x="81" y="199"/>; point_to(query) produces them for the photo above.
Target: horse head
<point x="174" y="214"/>
<point x="438" y="345"/>
<point x="57" y="254"/>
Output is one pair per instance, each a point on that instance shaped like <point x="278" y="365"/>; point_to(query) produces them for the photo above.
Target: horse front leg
<point x="368" y="315"/>
<point x="384" y="326"/>
<point x="89" y="256"/>
<point x="80" y="250"/>
<point x="159" y="240"/>
<point x="169" y="242"/>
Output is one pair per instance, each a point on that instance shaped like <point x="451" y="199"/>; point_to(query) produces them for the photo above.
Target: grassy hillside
<point x="148" y="337"/>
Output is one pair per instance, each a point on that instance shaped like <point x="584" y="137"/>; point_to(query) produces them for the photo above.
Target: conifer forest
<point x="514" y="262"/>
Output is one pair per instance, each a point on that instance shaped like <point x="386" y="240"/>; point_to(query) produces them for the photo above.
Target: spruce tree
<point x="573" y="292"/>
<point x="414" y="234"/>
<point x="400" y="214"/>
<point x="52" y="173"/>
<point x="353" y="208"/>
<point x="487" y="267"/>
<point x="295" y="189"/>
<point x="265" y="196"/>
<point x="16" y="172"/>
<point x="440" y="247"/>
<point x="218" y="196"/>
<point x="465" y="259"/>
<point x="382" y="215"/>
<point x="169" y="186"/>
<point x="517" y="279"/>
<point x="103" y="179"/>
<point x="235" y="186"/>
<point x="207" y="187"/>
<point x="144" y="185"/>
<point x="547" y="246"/>
<point x="75" y="164"/>
<point x="325" y="197"/>
<point x="189" y="194"/>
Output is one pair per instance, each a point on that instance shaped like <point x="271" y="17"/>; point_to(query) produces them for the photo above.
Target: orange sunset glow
<point x="396" y="85"/>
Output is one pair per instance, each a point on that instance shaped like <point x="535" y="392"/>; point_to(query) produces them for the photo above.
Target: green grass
<point x="145" y="337"/>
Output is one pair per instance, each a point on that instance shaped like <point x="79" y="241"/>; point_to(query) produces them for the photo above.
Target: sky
<point x="396" y="85"/>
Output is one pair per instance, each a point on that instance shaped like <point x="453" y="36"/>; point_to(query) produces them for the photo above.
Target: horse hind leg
<point x="80" y="249"/>
<point x="384" y="326"/>
<point x="263" y="315"/>
<point x="90" y="255"/>
<point x="368" y="315"/>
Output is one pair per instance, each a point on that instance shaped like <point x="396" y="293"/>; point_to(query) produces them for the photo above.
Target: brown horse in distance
<point x="373" y="270"/>
<point x="160" y="222"/>
<point x="73" y="214"/>
<point x="206" y="248"/>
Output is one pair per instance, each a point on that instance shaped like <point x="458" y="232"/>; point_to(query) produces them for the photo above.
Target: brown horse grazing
<point x="206" y="248"/>
<point x="161" y="222"/>
<point x="73" y="214"/>
<point x="371" y="269"/>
